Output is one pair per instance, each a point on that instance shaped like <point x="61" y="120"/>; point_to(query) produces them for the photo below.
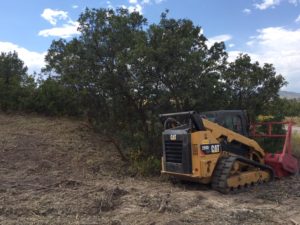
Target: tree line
<point x="121" y="72"/>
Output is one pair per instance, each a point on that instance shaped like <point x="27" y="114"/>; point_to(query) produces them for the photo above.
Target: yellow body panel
<point x="203" y="165"/>
<point x="217" y="131"/>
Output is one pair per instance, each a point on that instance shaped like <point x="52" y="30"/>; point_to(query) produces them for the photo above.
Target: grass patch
<point x="295" y="119"/>
<point x="296" y="144"/>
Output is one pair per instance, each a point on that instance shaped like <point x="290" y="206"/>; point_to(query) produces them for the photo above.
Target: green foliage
<point x="126" y="75"/>
<point x="26" y="94"/>
<point x="251" y="86"/>
<point x="144" y="165"/>
<point x="53" y="98"/>
<point x="271" y="145"/>
<point x="19" y="91"/>
<point x="13" y="81"/>
<point x="290" y="107"/>
<point x="121" y="73"/>
<point x="186" y="71"/>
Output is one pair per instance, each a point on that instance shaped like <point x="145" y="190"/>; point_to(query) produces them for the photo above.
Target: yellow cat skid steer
<point x="213" y="147"/>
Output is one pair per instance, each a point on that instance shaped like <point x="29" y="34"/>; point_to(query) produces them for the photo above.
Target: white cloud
<point x="135" y="8"/>
<point x="33" y="60"/>
<point x="231" y="45"/>
<point x="66" y="31"/>
<point x="136" y="5"/>
<point x="247" y="11"/>
<point x="145" y="2"/>
<point x="278" y="46"/>
<point x="265" y="4"/>
<point x="219" y="38"/>
<point x="109" y="5"/>
<point x="222" y="37"/>
<point x="297" y="20"/>
<point x="52" y="16"/>
<point x="74" y="6"/>
<point x="250" y="43"/>
<point x="294" y="2"/>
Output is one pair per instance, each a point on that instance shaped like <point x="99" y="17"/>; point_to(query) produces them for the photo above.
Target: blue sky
<point x="267" y="30"/>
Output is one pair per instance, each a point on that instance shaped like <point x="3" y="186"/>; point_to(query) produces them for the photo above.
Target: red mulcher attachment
<point x="283" y="163"/>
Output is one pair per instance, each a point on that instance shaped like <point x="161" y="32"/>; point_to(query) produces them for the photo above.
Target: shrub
<point x="144" y="165"/>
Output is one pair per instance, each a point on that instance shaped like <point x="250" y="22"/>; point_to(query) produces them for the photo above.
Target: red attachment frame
<point x="283" y="163"/>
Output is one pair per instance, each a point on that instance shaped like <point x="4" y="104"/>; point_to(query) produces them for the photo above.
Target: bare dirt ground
<point x="57" y="171"/>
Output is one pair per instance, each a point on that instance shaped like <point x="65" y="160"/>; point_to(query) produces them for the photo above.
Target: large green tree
<point x="97" y="65"/>
<point x="186" y="70"/>
<point x="127" y="73"/>
<point x="250" y="86"/>
<point x="15" y="84"/>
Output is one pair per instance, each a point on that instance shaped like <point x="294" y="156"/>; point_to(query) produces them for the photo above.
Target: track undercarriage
<point x="235" y="173"/>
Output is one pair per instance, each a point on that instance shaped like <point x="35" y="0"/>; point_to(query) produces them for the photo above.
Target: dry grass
<point x="296" y="144"/>
<point x="58" y="171"/>
<point x="296" y="135"/>
<point x="296" y="119"/>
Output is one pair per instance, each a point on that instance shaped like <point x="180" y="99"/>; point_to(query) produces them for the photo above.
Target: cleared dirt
<point x="57" y="171"/>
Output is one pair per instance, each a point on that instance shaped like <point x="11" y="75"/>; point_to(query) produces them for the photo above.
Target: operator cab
<point x="235" y="120"/>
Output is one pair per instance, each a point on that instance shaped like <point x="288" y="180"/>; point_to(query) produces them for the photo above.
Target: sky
<point x="267" y="30"/>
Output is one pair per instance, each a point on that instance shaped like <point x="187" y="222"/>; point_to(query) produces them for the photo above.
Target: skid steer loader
<point x="215" y="147"/>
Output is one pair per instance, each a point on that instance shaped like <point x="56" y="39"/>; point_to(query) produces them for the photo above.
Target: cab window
<point x="237" y="124"/>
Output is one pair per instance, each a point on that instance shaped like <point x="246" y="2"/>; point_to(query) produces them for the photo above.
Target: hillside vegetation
<point x="289" y="95"/>
<point x="121" y="72"/>
<point x="58" y="171"/>
<point x="81" y="140"/>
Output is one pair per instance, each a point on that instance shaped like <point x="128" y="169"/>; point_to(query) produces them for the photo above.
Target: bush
<point x="52" y="98"/>
<point x="144" y="165"/>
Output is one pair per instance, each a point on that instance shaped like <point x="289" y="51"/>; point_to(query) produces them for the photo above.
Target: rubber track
<point x="223" y="168"/>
